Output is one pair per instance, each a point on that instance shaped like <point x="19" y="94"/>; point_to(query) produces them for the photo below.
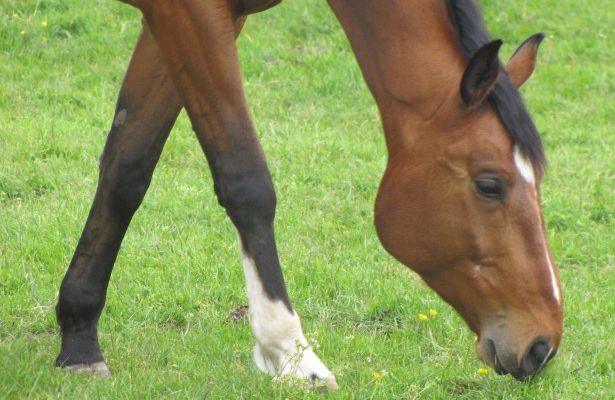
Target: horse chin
<point x="435" y="278"/>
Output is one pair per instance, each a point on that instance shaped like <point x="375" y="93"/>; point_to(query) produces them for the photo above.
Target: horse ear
<point x="481" y="74"/>
<point x="522" y="63"/>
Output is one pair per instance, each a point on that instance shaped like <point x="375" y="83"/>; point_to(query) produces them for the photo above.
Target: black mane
<point x="505" y="99"/>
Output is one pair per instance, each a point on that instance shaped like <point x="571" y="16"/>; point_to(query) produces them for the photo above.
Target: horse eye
<point x="491" y="188"/>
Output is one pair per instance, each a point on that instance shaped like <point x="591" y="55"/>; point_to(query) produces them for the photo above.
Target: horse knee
<point x="123" y="182"/>
<point x="248" y="198"/>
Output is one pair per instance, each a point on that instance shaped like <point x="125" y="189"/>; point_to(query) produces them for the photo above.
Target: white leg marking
<point x="281" y="348"/>
<point x="524" y="166"/>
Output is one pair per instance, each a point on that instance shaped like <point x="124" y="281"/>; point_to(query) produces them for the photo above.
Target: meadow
<point x="166" y="331"/>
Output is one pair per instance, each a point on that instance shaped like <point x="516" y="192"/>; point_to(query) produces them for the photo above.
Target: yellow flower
<point x="482" y="371"/>
<point x="378" y="377"/>
<point x="22" y="32"/>
<point x="44" y="24"/>
<point x="433" y="313"/>
<point x="422" y="317"/>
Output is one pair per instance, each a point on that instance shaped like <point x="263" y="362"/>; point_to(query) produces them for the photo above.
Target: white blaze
<point x="554" y="285"/>
<point x="526" y="170"/>
<point x="524" y="166"/>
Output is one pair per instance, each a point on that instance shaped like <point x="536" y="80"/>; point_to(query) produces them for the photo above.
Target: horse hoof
<point x="329" y="384"/>
<point x="299" y="366"/>
<point x="98" y="368"/>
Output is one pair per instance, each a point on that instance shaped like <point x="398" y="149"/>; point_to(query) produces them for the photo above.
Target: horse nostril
<point x="536" y="358"/>
<point x="492" y="353"/>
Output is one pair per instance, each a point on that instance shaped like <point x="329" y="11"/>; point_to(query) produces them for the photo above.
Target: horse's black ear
<point x="481" y="74"/>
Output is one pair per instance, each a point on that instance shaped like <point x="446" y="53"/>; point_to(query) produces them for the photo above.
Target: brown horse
<point x="459" y="202"/>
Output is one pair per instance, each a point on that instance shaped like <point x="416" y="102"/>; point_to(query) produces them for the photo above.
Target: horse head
<point x="461" y="207"/>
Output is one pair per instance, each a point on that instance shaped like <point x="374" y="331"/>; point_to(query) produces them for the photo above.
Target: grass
<point x="165" y="330"/>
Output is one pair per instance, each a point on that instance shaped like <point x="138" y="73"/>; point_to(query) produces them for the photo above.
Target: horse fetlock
<point x="77" y="313"/>
<point x="78" y="306"/>
<point x="79" y="348"/>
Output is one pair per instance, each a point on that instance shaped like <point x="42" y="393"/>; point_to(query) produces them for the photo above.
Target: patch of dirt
<point x="239" y="313"/>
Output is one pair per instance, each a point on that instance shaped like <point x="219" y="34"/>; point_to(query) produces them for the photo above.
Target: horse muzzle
<point x="522" y="366"/>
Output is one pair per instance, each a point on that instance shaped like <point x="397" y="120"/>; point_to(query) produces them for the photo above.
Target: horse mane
<point x="505" y="99"/>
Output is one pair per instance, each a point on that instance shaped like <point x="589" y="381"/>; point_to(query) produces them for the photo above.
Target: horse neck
<point x="410" y="59"/>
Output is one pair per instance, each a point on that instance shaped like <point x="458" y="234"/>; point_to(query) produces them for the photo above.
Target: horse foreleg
<point x="147" y="107"/>
<point x="196" y="41"/>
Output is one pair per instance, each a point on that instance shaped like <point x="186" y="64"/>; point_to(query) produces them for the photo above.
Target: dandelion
<point x="422" y="317"/>
<point x="482" y="371"/>
<point x="22" y="33"/>
<point x="433" y="313"/>
<point x="378" y="376"/>
<point x="44" y="24"/>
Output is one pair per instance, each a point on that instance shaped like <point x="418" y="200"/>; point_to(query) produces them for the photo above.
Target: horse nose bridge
<point x="546" y="282"/>
<point x="529" y="273"/>
<point x="533" y="251"/>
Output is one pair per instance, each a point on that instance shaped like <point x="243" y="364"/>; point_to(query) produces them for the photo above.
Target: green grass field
<point x="165" y="330"/>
